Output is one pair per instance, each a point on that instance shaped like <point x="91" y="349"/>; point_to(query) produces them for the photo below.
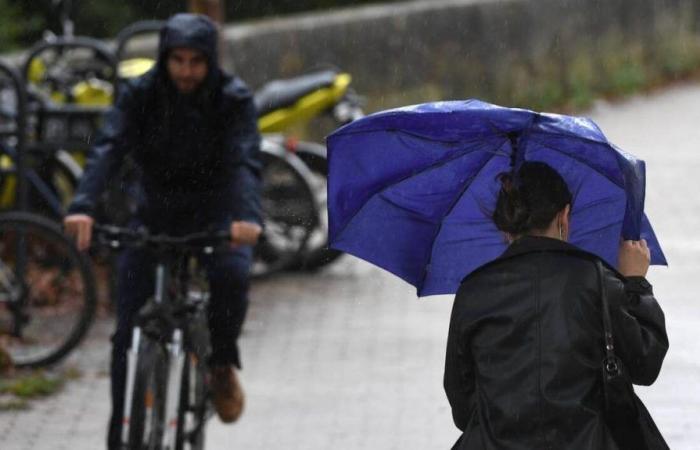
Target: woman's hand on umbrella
<point x="634" y="258"/>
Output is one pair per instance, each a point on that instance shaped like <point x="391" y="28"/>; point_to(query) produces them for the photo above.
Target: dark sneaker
<point x="227" y="393"/>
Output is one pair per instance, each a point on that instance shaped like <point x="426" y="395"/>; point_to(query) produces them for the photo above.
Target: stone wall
<point x="534" y="53"/>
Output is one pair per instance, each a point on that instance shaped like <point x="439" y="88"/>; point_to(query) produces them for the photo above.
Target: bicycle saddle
<point x="281" y="93"/>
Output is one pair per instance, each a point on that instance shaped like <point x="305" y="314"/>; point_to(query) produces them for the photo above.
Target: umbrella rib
<point x="428" y="168"/>
<point x="420" y="136"/>
<point x="468" y="184"/>
<point x="574" y="136"/>
<point x="580" y="160"/>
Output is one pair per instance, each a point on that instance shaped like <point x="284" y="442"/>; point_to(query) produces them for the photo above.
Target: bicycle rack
<point x="62" y="43"/>
<point x="133" y="30"/>
<point x="19" y="133"/>
<point x="69" y="125"/>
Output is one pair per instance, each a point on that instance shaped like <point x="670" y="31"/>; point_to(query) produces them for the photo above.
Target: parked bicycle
<point x="50" y="176"/>
<point x="167" y="395"/>
<point x="47" y="290"/>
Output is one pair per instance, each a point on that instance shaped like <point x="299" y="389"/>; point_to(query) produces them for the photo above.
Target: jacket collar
<point x="539" y="244"/>
<point x="530" y="244"/>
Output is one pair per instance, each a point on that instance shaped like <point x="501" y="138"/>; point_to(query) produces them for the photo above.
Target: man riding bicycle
<point x="191" y="129"/>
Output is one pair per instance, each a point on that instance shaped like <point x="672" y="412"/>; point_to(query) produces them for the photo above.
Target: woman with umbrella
<point x="551" y="326"/>
<point x="524" y="352"/>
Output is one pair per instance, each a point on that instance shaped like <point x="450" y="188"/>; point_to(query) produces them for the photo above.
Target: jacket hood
<point x="191" y="31"/>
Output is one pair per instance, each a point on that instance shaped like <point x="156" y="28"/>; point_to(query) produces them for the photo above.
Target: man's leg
<point x="135" y="285"/>
<point x="228" y="280"/>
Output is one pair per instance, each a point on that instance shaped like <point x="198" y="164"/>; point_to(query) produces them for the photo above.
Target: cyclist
<point x="191" y="129"/>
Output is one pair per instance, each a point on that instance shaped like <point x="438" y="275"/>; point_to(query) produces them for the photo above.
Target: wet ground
<point x="350" y="359"/>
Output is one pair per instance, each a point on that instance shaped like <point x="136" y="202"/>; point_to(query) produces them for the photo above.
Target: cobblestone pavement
<point x="350" y="359"/>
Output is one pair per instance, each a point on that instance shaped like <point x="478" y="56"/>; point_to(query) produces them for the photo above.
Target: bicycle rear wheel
<point x="289" y="211"/>
<point x="317" y="254"/>
<point x="148" y="402"/>
<point x="47" y="290"/>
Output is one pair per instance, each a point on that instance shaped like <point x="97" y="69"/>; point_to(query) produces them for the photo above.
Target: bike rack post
<point x="76" y="118"/>
<point x="62" y="43"/>
<point x="133" y="30"/>
<point x="20" y="120"/>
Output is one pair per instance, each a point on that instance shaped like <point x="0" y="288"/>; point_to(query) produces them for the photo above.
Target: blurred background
<point x="24" y="22"/>
<point x="337" y="353"/>
<point x="542" y="54"/>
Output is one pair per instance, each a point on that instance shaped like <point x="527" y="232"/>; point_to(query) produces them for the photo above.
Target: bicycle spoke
<point x="52" y="298"/>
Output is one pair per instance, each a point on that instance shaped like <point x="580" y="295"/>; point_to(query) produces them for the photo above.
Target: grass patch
<point x="19" y="389"/>
<point x="32" y="385"/>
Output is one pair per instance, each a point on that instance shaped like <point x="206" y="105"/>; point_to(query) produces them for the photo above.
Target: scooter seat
<point x="282" y="93"/>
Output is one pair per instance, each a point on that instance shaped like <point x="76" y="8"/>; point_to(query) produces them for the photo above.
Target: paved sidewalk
<point x="350" y="359"/>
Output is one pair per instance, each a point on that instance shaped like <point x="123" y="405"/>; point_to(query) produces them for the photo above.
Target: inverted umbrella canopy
<point x="412" y="189"/>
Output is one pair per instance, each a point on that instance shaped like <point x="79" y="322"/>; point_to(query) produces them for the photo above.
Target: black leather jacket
<point x="525" y="347"/>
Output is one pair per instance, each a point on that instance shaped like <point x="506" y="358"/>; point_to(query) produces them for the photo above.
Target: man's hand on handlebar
<point x="80" y="227"/>
<point x="244" y="233"/>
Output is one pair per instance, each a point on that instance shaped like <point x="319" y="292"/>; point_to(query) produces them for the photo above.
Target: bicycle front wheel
<point x="194" y="410"/>
<point x="148" y="405"/>
<point x="47" y="290"/>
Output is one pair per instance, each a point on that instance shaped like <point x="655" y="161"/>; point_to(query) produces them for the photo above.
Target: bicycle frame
<point x="8" y="188"/>
<point x="176" y="359"/>
<point x="166" y="319"/>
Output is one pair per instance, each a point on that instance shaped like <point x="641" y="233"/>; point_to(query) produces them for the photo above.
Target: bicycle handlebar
<point x="118" y="237"/>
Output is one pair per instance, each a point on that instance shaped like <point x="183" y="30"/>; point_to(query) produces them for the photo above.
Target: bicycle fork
<point x="175" y="364"/>
<point x="176" y="359"/>
<point x="132" y="356"/>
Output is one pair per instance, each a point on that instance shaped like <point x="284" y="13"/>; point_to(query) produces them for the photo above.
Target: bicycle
<point x="50" y="176"/>
<point x="51" y="181"/>
<point x="47" y="290"/>
<point x="167" y="396"/>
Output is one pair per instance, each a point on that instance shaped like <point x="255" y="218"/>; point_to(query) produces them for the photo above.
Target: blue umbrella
<point x="412" y="189"/>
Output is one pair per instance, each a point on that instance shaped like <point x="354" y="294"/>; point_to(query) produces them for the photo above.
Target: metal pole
<point x="20" y="134"/>
<point x="68" y="26"/>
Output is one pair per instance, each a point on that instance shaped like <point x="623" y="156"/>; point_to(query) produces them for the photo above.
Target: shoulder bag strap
<point x="610" y="358"/>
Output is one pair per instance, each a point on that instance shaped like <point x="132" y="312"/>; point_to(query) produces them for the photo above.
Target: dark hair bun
<point x="530" y="198"/>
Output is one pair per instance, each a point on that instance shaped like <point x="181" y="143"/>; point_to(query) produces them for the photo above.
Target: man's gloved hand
<point x="245" y="233"/>
<point x="79" y="226"/>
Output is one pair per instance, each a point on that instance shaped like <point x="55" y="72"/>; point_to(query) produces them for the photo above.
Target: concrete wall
<point x="534" y="53"/>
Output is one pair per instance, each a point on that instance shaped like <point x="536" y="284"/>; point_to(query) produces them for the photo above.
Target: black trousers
<point x="227" y="273"/>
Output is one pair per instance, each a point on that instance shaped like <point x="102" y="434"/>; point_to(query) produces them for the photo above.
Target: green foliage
<point x="14" y="25"/>
<point x="19" y="389"/>
<point x="22" y="22"/>
<point x="33" y="385"/>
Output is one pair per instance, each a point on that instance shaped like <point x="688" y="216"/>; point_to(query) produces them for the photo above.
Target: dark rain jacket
<point x="525" y="348"/>
<point x="197" y="154"/>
